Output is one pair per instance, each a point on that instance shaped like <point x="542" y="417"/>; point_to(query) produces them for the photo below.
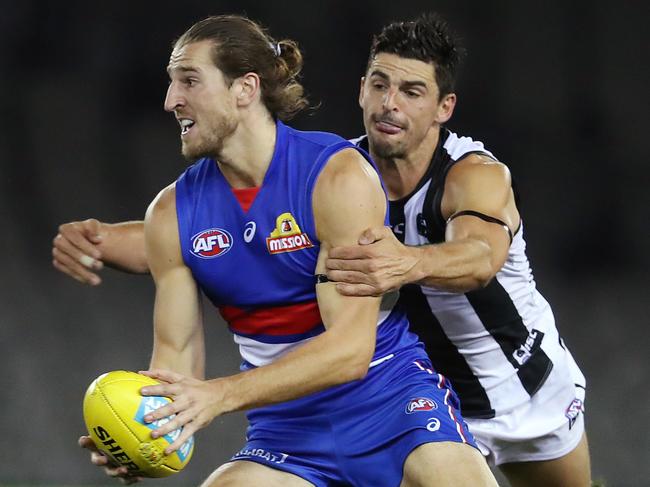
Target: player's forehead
<point x="400" y="69"/>
<point x="195" y="56"/>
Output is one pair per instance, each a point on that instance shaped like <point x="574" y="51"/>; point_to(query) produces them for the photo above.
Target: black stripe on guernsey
<point x="397" y="219"/>
<point x="501" y="319"/>
<point x="445" y="357"/>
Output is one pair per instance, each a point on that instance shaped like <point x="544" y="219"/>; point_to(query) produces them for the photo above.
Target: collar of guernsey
<point x="257" y="266"/>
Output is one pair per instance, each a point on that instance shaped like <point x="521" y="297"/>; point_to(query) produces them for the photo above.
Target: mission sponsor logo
<point x="287" y="236"/>
<point x="211" y="243"/>
<point x="420" y="404"/>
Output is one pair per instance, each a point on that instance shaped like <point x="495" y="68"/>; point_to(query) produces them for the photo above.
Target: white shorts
<point x="546" y="427"/>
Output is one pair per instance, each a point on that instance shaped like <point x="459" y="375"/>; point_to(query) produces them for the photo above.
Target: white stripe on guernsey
<point x="260" y="354"/>
<point x="459" y="428"/>
<point x="422" y="368"/>
<point x="457" y="147"/>
<point x="380" y="360"/>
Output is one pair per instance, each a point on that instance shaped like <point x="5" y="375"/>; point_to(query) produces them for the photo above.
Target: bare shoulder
<point x="479" y="167"/>
<point x="348" y="198"/>
<point x="481" y="184"/>
<point x="162" y="207"/>
<point x="348" y="169"/>
<point x="161" y="231"/>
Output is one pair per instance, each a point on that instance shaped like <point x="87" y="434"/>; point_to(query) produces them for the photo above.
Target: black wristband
<point x="321" y="278"/>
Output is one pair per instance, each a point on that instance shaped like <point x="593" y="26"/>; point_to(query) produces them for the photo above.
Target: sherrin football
<point x="114" y="414"/>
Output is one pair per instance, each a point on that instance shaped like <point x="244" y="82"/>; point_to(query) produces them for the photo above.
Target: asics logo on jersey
<point x="420" y="404"/>
<point x="287" y="236"/>
<point x="211" y="243"/>
<point x="249" y="231"/>
<point x="433" y="424"/>
<point x="532" y="343"/>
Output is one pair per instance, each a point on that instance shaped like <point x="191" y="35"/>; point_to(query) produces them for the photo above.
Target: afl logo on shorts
<point x="420" y="404"/>
<point x="211" y="243"/>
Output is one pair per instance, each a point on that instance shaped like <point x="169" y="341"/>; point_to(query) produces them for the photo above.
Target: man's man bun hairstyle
<point x="242" y="46"/>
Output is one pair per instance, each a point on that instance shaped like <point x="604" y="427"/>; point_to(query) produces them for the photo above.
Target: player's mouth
<point x="186" y="125"/>
<point x="387" y="126"/>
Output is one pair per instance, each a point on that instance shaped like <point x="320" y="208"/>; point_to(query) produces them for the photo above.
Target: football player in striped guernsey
<point x="456" y="251"/>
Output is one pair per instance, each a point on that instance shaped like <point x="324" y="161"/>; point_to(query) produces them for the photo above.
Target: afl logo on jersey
<point x="420" y="404"/>
<point x="211" y="243"/>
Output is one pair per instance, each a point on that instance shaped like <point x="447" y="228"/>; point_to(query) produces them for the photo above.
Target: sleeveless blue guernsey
<point x="258" y="266"/>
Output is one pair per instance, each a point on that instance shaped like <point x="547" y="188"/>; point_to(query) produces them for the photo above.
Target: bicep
<point x="479" y="202"/>
<point x="348" y="199"/>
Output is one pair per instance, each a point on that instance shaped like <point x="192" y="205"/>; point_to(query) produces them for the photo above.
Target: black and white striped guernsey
<point x="496" y="344"/>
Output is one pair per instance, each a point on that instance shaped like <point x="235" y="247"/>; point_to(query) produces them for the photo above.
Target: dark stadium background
<point x="558" y="90"/>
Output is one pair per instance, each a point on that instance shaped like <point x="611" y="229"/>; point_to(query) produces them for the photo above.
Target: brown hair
<point x="242" y="46"/>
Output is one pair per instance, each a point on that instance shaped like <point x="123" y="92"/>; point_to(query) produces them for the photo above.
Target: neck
<point x="401" y="175"/>
<point x="247" y="153"/>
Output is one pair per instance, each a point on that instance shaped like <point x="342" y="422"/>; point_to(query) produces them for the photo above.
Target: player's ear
<point x="363" y="80"/>
<point x="247" y="88"/>
<point x="445" y="108"/>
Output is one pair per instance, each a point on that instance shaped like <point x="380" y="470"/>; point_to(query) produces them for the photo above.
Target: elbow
<point x="358" y="372"/>
<point x="357" y="364"/>
<point x="483" y="271"/>
<point x="484" y="276"/>
<point x="478" y="278"/>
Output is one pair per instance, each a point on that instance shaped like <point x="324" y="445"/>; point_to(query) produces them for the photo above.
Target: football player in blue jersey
<point x="310" y="354"/>
<point x="455" y="249"/>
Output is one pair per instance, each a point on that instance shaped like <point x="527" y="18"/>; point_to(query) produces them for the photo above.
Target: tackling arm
<point x="82" y="248"/>
<point x="473" y="252"/>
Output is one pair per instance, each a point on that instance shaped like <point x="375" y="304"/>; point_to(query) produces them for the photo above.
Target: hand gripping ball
<point x="114" y="413"/>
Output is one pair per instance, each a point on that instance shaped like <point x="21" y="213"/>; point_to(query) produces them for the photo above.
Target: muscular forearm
<point x="457" y="266"/>
<point x="189" y="361"/>
<point x="123" y="246"/>
<point x="323" y="362"/>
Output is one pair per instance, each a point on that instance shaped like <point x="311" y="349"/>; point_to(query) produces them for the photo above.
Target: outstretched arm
<point x="473" y="252"/>
<point x="347" y="198"/>
<point x="82" y="248"/>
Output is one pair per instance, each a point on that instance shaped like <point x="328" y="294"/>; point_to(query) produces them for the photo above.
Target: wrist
<point x="415" y="271"/>
<point x="420" y="269"/>
<point x="221" y="390"/>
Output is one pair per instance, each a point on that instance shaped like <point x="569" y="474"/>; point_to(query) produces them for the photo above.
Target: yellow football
<point x="114" y="414"/>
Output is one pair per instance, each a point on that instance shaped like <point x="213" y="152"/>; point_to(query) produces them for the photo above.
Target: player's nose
<point x="174" y="98"/>
<point x="389" y="99"/>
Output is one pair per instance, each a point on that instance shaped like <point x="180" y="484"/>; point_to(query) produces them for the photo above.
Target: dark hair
<point x="427" y="39"/>
<point x="242" y="46"/>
